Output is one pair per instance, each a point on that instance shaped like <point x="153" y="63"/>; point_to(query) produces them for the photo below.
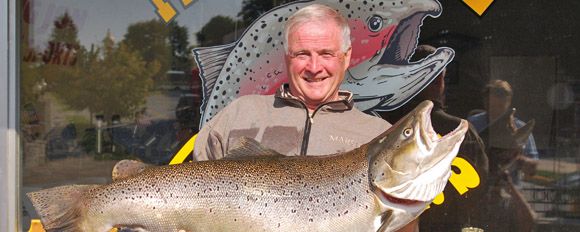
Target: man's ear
<point x="347" y="58"/>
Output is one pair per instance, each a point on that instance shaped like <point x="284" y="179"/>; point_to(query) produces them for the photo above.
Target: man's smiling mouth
<point x="314" y="80"/>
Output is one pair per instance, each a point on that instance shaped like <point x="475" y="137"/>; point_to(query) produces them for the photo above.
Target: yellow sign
<point x="166" y="10"/>
<point x="184" y="152"/>
<point x="479" y="6"/>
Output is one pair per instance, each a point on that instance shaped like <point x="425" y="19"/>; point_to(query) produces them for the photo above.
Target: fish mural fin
<point x="57" y="207"/>
<point x="211" y="61"/>
<point x="250" y="148"/>
<point x="127" y="168"/>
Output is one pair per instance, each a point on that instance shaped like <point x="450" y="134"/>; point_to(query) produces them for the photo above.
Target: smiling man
<point x="307" y="116"/>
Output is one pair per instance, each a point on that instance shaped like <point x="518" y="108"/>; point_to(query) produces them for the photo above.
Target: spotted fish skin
<point x="383" y="33"/>
<point x="340" y="192"/>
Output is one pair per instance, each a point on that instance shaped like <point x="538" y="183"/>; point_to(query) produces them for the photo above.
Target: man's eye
<point x="299" y="55"/>
<point x="327" y="55"/>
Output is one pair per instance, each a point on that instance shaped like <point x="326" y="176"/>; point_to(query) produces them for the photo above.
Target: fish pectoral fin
<point x="130" y="228"/>
<point x="126" y="168"/>
<point x="210" y="61"/>
<point x="250" y="148"/>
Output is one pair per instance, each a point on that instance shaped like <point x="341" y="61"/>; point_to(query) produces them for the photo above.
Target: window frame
<point x="9" y="148"/>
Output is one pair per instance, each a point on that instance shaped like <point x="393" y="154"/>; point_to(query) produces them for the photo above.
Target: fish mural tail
<point x="59" y="207"/>
<point x="211" y="61"/>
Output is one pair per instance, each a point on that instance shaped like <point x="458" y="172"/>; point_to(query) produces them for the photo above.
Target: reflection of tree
<point x="212" y="32"/>
<point x="108" y="80"/>
<point x="65" y="31"/>
<point x="252" y="9"/>
<point x="113" y="83"/>
<point x="181" y="51"/>
<point x="157" y="42"/>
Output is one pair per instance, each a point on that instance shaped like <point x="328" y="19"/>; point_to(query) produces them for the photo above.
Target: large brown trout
<point x="380" y="186"/>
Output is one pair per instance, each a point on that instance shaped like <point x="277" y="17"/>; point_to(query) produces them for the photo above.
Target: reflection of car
<point x="187" y="110"/>
<point x="154" y="143"/>
<point x="61" y="142"/>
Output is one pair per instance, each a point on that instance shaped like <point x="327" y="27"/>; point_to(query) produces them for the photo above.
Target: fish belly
<point x="238" y="196"/>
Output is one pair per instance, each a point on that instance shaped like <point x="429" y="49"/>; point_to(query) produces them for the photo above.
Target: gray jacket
<point x="282" y="122"/>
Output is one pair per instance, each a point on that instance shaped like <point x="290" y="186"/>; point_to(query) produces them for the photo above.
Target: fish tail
<point x="58" y="207"/>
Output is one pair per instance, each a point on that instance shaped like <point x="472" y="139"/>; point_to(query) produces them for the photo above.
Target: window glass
<point x="101" y="81"/>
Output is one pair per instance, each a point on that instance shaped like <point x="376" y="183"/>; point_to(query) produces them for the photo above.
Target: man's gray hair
<point x="318" y="13"/>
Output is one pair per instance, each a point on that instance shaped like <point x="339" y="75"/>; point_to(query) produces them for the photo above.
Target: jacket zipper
<point x="306" y="136"/>
<point x="307" y="126"/>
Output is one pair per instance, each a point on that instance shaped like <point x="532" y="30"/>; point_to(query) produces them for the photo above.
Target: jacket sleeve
<point x="211" y="141"/>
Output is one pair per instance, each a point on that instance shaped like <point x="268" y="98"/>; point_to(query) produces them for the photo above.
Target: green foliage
<point x="252" y="9"/>
<point x="157" y="42"/>
<point x="181" y="50"/>
<point x="213" y="32"/>
<point x="115" y="83"/>
<point x="65" y="31"/>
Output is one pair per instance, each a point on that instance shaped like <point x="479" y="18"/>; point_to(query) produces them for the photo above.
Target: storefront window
<point x="102" y="81"/>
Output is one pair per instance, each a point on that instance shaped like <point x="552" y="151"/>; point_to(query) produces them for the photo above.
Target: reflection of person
<point x="497" y="100"/>
<point x="309" y="115"/>
<point x="457" y="210"/>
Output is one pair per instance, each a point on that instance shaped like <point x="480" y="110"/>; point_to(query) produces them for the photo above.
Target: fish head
<point x="381" y="76"/>
<point x="385" y="32"/>
<point x="410" y="160"/>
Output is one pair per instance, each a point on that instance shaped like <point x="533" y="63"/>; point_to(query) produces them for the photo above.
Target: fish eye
<point x="408" y="132"/>
<point x="375" y="23"/>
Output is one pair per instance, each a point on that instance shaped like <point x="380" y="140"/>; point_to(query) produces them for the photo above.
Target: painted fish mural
<point x="380" y="186"/>
<point x="383" y="33"/>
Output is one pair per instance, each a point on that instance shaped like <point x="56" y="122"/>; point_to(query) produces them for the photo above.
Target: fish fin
<point x="57" y="207"/>
<point x="210" y="61"/>
<point x="127" y="168"/>
<point x="250" y="148"/>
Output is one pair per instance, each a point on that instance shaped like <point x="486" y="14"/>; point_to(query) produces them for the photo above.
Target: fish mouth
<point x="404" y="40"/>
<point x="389" y="80"/>
<point x="429" y="136"/>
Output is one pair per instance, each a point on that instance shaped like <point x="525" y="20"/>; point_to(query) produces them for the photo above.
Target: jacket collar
<point x="344" y="103"/>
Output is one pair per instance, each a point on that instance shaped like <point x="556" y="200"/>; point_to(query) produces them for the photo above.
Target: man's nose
<point x="314" y="65"/>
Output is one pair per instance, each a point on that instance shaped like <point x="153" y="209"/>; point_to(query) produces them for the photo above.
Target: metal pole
<point x="99" y="133"/>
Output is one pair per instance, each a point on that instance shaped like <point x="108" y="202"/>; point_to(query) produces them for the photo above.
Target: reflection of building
<point x="500" y="45"/>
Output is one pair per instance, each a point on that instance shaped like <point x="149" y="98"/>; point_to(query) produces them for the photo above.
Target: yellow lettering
<point x="439" y="199"/>
<point x="478" y="6"/>
<point x="186" y="3"/>
<point x="164" y="9"/>
<point x="466" y="178"/>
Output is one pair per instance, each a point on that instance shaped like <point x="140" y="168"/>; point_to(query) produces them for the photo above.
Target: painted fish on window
<point x="383" y="33"/>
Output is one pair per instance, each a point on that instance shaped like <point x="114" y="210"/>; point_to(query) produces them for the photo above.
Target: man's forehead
<point x="317" y="35"/>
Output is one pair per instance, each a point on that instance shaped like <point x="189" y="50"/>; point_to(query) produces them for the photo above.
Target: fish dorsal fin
<point x="249" y="148"/>
<point x="127" y="168"/>
<point x="58" y="207"/>
<point x="210" y="61"/>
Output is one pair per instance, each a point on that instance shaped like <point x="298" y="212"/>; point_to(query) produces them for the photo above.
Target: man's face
<point x="316" y="64"/>
<point x="497" y="105"/>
